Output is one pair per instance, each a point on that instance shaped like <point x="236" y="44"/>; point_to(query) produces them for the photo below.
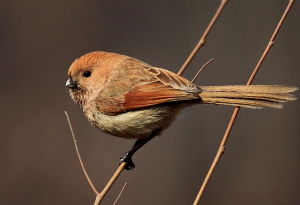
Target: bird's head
<point x="89" y="73"/>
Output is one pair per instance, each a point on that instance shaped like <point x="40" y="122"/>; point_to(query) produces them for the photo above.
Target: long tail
<point x="249" y="96"/>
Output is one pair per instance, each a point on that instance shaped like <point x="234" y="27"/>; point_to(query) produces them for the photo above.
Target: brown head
<point x="89" y="73"/>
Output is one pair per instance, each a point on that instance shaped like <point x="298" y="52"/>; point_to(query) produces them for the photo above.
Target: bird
<point x="128" y="98"/>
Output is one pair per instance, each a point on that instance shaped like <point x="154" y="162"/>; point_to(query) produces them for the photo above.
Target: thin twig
<point x="202" y="39"/>
<point x="78" y="154"/>
<point x="201" y="69"/>
<point x="236" y="109"/>
<point x="121" y="192"/>
<point x="112" y="180"/>
<point x="100" y="195"/>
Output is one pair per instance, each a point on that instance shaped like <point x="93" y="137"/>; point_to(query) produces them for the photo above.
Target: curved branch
<point x="79" y="157"/>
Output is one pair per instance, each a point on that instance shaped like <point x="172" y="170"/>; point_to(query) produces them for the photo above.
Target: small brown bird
<point x="128" y="98"/>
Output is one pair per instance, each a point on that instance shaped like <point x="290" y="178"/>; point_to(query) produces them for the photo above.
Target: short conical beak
<point x="71" y="84"/>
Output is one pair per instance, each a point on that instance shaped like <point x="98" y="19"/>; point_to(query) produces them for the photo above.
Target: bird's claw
<point x="128" y="160"/>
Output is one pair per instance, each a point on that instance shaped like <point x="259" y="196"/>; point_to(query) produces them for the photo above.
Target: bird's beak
<point x="71" y="84"/>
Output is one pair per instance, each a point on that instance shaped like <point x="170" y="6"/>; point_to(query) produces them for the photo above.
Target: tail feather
<point x="249" y="96"/>
<point x="252" y="88"/>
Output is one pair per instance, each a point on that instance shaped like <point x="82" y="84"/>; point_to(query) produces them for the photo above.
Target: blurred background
<point x="40" y="39"/>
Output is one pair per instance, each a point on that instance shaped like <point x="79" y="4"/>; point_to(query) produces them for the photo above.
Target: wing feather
<point x="147" y="87"/>
<point x="153" y="94"/>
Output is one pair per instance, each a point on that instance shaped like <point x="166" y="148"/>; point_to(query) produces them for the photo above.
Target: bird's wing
<point x="145" y="87"/>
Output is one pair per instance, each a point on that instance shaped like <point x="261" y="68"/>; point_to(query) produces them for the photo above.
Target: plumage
<point x="129" y="98"/>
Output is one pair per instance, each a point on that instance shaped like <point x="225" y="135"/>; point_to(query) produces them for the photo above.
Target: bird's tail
<point x="249" y="96"/>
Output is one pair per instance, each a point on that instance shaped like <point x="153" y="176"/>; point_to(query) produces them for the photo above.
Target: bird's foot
<point x="128" y="160"/>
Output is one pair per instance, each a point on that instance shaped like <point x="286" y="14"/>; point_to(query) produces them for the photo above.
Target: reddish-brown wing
<point x="144" y="87"/>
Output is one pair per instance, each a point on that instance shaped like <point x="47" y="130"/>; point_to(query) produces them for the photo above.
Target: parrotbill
<point x="128" y="98"/>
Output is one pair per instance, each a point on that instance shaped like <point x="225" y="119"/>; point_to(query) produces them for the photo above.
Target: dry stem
<point x="78" y="154"/>
<point x="112" y="180"/>
<point x="100" y="195"/>
<point x="201" y="69"/>
<point x="202" y="39"/>
<point x="119" y="195"/>
<point x="236" y="109"/>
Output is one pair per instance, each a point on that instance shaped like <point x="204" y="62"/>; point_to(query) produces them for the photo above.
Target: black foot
<point x="129" y="163"/>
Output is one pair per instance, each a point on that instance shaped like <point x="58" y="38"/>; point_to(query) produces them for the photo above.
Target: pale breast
<point x="136" y="124"/>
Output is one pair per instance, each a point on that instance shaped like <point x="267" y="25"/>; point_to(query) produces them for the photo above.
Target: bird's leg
<point x="127" y="157"/>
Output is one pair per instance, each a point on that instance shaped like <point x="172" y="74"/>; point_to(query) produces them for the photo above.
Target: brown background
<point x="39" y="40"/>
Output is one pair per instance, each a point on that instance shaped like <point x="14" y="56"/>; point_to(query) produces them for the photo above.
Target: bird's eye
<point x="87" y="74"/>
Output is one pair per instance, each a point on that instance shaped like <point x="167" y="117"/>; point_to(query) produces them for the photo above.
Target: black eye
<point x="87" y="74"/>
